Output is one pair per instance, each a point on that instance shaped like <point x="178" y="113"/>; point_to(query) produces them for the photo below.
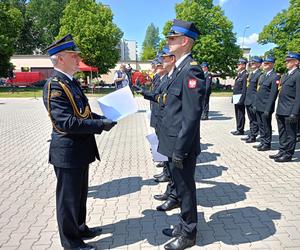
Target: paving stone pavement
<point x="245" y="200"/>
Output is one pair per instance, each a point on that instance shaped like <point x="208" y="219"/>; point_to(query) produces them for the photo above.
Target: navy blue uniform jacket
<point x="180" y="125"/>
<point x="267" y="92"/>
<point x="289" y="96"/>
<point x="74" y="145"/>
<point x="240" y="86"/>
<point x="252" y="88"/>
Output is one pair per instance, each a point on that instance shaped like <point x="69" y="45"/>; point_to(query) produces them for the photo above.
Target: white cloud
<point x="221" y="2"/>
<point x="252" y="39"/>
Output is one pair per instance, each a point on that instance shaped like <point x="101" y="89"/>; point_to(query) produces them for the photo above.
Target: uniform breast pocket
<point x="174" y="91"/>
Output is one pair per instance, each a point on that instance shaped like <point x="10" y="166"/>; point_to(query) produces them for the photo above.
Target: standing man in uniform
<point x="239" y="88"/>
<point x="180" y="129"/>
<point x="265" y="102"/>
<point x="254" y="76"/>
<point x="288" y="109"/>
<point x="73" y="146"/>
<point x="208" y="81"/>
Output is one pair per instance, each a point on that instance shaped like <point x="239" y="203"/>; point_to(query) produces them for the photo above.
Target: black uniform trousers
<point x="265" y="128"/>
<point x="205" y="105"/>
<point x="287" y="135"/>
<point x="171" y="190"/>
<point x="240" y="117"/>
<point x="71" y="197"/>
<point x="185" y="186"/>
<point x="253" y="121"/>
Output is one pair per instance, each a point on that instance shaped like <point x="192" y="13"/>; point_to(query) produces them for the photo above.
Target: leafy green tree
<point x="217" y="42"/>
<point x="284" y="32"/>
<point x="91" y="25"/>
<point x="43" y="17"/>
<point x="151" y="43"/>
<point x="10" y="24"/>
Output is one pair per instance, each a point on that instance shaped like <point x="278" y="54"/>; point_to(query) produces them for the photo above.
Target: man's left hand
<point x="177" y="161"/>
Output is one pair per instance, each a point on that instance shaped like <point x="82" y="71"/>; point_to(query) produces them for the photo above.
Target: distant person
<point x="239" y="88"/>
<point x="121" y="78"/>
<point x="208" y="82"/>
<point x="288" y="109"/>
<point x="267" y="91"/>
<point x="255" y="64"/>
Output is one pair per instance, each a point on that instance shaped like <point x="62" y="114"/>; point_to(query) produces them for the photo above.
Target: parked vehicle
<point x="25" y="79"/>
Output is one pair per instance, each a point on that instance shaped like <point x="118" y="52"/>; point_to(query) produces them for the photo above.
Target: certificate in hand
<point x="118" y="104"/>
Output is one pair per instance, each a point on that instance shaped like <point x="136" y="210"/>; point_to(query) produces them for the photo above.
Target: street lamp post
<point x="247" y="27"/>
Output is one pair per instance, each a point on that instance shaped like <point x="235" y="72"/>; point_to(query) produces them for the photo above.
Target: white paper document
<point x="118" y="104"/>
<point x="236" y="98"/>
<point x="153" y="141"/>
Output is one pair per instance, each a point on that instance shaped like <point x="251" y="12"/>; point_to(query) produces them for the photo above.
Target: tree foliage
<point x="284" y="32"/>
<point x="91" y="25"/>
<point x="217" y="42"/>
<point x="10" y="24"/>
<point x="151" y="43"/>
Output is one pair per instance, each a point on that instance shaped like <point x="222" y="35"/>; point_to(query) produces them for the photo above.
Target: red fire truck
<point x="25" y="79"/>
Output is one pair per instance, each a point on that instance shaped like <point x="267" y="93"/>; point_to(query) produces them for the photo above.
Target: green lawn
<point x="37" y="92"/>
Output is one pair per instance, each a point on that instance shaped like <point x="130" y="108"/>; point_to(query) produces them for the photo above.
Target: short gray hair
<point x="54" y="59"/>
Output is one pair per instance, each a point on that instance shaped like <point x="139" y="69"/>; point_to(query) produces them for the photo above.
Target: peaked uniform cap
<point x="242" y="61"/>
<point x="256" y="59"/>
<point x="166" y="52"/>
<point x="183" y="28"/>
<point x="204" y="64"/>
<point x="292" y="55"/>
<point x="65" y="43"/>
<point x="269" y="59"/>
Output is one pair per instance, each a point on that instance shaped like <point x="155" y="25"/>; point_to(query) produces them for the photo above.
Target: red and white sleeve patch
<point x="192" y="83"/>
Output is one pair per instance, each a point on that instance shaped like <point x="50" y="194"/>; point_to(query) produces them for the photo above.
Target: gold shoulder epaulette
<point x="193" y="63"/>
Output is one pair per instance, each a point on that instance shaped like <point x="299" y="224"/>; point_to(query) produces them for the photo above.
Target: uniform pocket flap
<point x="174" y="91"/>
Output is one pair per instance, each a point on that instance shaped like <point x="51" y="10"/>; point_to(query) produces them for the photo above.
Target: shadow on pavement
<point x="237" y="226"/>
<point x="217" y="115"/>
<point x="119" y="187"/>
<point x="207" y="157"/>
<point x="233" y="227"/>
<point x="220" y="193"/>
<point x="208" y="171"/>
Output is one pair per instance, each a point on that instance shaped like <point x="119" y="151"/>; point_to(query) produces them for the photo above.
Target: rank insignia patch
<point x="55" y="93"/>
<point x="192" y="83"/>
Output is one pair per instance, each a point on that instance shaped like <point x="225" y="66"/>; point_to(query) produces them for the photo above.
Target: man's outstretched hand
<point x="108" y="124"/>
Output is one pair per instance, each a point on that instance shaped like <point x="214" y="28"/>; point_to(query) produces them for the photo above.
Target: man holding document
<point x="179" y="134"/>
<point x="239" y="94"/>
<point x="73" y="146"/>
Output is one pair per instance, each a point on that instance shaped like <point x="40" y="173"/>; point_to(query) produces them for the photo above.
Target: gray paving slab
<point x="245" y="200"/>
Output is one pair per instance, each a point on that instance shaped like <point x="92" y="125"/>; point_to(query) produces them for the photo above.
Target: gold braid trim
<point x="49" y="112"/>
<point x="87" y="112"/>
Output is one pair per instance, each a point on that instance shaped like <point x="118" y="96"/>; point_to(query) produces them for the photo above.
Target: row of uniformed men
<point x="177" y="99"/>
<point x="258" y="93"/>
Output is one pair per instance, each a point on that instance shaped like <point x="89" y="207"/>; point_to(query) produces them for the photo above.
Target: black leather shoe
<point x="237" y="132"/>
<point x="264" y="148"/>
<point x="245" y="138"/>
<point x="251" y="140"/>
<point x="163" y="178"/>
<point x="158" y="175"/>
<point x="283" y="158"/>
<point x="160" y="165"/>
<point x="279" y="154"/>
<point x="180" y="243"/>
<point x="89" y="233"/>
<point x="258" y="146"/>
<point x="172" y="232"/>
<point x="168" y="205"/>
<point x="82" y="247"/>
<point x="204" y="118"/>
<point x="161" y="197"/>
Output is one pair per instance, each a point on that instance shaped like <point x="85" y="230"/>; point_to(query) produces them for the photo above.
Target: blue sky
<point x="134" y="16"/>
